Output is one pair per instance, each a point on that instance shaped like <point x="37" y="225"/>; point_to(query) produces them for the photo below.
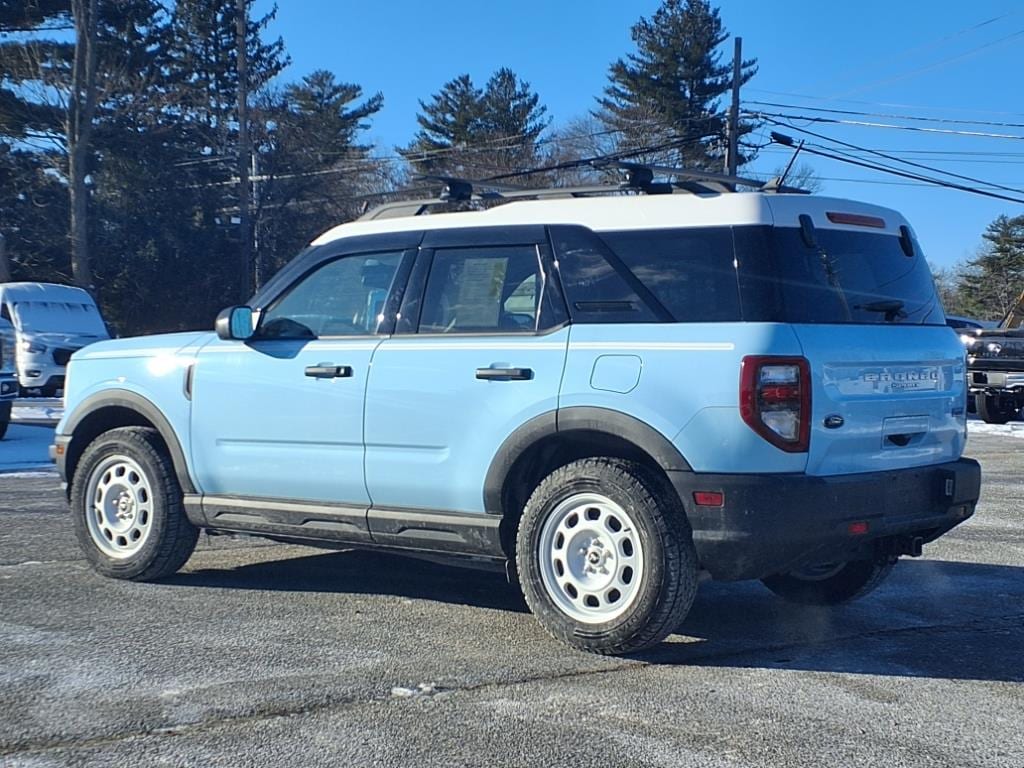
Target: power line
<point x="866" y="124"/>
<point x="936" y="65"/>
<point x="889" y="116"/>
<point x="911" y="163"/>
<point x="838" y="155"/>
<point x="891" y="105"/>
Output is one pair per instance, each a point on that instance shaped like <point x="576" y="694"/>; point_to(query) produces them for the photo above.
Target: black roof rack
<point x="638" y="178"/>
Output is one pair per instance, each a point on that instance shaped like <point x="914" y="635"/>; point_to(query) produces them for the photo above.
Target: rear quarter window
<point x="690" y="271"/>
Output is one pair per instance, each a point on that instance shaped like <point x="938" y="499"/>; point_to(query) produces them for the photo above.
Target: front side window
<point x="482" y="290"/>
<point x="344" y="297"/>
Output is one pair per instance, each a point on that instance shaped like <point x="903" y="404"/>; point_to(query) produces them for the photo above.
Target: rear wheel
<point x="830" y="583"/>
<point x="127" y="507"/>
<point x="5" y="418"/>
<point x="605" y="556"/>
<point x="995" y="410"/>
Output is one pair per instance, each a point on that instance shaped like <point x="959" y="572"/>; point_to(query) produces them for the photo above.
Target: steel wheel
<point x="591" y="558"/>
<point x="120" y="511"/>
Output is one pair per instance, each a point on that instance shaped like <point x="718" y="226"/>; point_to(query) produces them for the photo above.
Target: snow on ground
<point x="1013" y="429"/>
<point x="26" y="448"/>
<point x="38" y="410"/>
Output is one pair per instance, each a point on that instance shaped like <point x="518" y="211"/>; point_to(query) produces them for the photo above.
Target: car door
<point x="280" y="416"/>
<point x="479" y="351"/>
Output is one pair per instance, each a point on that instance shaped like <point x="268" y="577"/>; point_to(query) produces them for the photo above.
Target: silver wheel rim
<point x="591" y="559"/>
<point x="119" y="506"/>
<point x="820" y="572"/>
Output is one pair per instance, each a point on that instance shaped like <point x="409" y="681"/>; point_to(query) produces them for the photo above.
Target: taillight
<point x="775" y="400"/>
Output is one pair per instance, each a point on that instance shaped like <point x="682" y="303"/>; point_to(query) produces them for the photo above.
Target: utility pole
<point x="244" y="225"/>
<point x="732" y="154"/>
<point x="257" y="255"/>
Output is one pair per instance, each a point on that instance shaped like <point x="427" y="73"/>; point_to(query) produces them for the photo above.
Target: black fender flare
<point x="123" y="398"/>
<point x="572" y="419"/>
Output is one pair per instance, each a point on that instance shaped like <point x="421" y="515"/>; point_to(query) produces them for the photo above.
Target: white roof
<point x="66" y="294"/>
<point x="620" y="212"/>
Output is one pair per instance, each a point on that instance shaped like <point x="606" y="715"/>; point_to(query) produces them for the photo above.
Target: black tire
<point x="666" y="589"/>
<point x="993" y="410"/>
<point x="5" y="418"/>
<point x="171" y="538"/>
<point x="855" y="579"/>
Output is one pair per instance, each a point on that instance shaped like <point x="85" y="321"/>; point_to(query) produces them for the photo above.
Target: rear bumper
<point x="776" y="523"/>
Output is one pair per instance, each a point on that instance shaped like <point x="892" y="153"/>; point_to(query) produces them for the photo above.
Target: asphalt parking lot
<point x="273" y="655"/>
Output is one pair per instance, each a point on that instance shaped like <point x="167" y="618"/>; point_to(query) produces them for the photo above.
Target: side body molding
<point x="122" y="398"/>
<point x="577" y="419"/>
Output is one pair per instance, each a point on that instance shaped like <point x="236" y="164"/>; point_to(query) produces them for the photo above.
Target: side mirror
<point x="234" y="323"/>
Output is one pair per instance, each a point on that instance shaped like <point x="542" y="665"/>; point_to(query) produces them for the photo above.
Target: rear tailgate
<point x="898" y="391"/>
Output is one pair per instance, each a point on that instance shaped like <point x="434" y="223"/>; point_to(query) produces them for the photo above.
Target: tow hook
<point x="905" y="545"/>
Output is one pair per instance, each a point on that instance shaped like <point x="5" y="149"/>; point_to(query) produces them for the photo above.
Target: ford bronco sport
<point x="607" y="395"/>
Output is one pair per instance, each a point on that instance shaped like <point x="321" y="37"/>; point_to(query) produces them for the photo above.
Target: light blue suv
<point x="605" y="395"/>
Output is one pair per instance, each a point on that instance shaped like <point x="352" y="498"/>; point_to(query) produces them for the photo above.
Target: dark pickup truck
<point x="995" y="367"/>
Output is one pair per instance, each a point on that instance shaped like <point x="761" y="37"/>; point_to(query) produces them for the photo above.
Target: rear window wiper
<point x="893" y="308"/>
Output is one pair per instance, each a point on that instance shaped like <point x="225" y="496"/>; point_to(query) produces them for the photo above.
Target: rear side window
<point x="845" y="277"/>
<point x="483" y="290"/>
<point x="691" y="272"/>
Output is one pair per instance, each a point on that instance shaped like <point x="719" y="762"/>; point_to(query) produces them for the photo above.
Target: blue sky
<point x="938" y="59"/>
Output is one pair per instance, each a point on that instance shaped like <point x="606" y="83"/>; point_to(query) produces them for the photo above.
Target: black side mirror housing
<point x="235" y="323"/>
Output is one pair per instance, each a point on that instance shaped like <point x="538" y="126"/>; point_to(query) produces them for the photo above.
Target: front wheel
<point x="830" y="583"/>
<point x="995" y="410"/>
<point x="605" y="556"/>
<point x="127" y="508"/>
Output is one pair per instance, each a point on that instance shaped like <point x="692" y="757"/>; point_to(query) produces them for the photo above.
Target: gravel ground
<point x="272" y="655"/>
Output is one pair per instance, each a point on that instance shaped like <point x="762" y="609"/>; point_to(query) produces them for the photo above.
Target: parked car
<point x="51" y="323"/>
<point x="607" y="396"/>
<point x="8" y="381"/>
<point x="995" y="361"/>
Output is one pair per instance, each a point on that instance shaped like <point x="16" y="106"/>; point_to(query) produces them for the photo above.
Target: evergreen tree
<point x="311" y="165"/>
<point x="993" y="280"/>
<point x="471" y="132"/>
<point x="669" y="91"/>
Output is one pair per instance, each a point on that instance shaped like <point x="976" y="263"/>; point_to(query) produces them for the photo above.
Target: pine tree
<point x="669" y="91"/>
<point x="993" y="280"/>
<point x="472" y="132"/>
<point x="311" y="161"/>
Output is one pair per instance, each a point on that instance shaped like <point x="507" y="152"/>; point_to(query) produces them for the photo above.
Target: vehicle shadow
<point x="369" y="573"/>
<point x="931" y="618"/>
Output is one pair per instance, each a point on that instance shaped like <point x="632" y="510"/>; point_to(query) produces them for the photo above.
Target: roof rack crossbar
<point x="638" y="178"/>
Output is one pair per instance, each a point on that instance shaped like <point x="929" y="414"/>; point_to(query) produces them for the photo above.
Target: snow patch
<point x="1013" y="429"/>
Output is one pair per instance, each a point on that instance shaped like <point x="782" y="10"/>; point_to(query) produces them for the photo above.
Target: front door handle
<point x="504" y="374"/>
<point x="329" y="371"/>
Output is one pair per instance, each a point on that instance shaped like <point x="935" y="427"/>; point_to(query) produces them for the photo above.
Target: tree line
<point x="150" y="152"/>
<point x="122" y="162"/>
<point x="991" y="283"/>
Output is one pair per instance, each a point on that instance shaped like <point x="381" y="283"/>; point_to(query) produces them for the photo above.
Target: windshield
<point x="59" y="317"/>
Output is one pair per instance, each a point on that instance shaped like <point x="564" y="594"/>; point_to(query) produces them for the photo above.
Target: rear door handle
<point x="505" y="374"/>
<point x="329" y="371"/>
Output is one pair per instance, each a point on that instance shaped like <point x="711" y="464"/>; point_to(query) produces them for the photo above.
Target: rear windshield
<point x="768" y="274"/>
<point x="846" y="277"/>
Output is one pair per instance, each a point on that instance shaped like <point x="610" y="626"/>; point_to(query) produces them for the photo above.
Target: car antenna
<point x="789" y="166"/>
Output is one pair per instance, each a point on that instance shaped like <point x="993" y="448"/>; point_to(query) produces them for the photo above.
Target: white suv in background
<point x="51" y="322"/>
